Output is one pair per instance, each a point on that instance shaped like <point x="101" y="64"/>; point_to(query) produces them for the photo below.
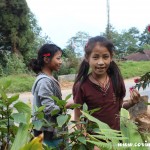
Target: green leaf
<point x="40" y="115"/>
<point x="13" y="99"/>
<point x="37" y="124"/>
<point x="41" y="108"/>
<point x="68" y="96"/>
<point x="101" y="124"/>
<point x="19" y="117"/>
<point x="3" y="129"/>
<point x="75" y="106"/>
<point x="3" y="96"/>
<point x="85" y="107"/>
<point x="61" y="120"/>
<point x="22" y="107"/>
<point x="129" y="128"/>
<point x="22" y="136"/>
<point x="125" y="113"/>
<point x="75" y="147"/>
<point x="60" y="103"/>
<point x="55" y="98"/>
<point x="3" y="122"/>
<point x="6" y="84"/>
<point x="93" y="110"/>
<point x="55" y="112"/>
<point x="2" y="104"/>
<point x="35" y="144"/>
<point x="82" y="147"/>
<point x="101" y="145"/>
<point x="82" y="139"/>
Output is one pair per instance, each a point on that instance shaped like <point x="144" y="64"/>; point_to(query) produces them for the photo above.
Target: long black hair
<point x="48" y="50"/>
<point x="113" y="70"/>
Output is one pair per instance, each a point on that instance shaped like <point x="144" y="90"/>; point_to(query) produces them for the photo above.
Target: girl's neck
<point x="99" y="77"/>
<point x="47" y="71"/>
<point x="101" y="80"/>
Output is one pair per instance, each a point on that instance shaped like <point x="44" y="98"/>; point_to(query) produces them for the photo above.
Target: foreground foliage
<point x="16" y="127"/>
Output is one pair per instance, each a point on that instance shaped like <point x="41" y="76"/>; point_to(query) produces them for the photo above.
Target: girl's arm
<point x="134" y="99"/>
<point x="45" y="92"/>
<point x="69" y="103"/>
<point x="77" y="114"/>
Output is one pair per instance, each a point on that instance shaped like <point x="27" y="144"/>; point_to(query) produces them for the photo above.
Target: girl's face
<point x="99" y="60"/>
<point x="55" y="63"/>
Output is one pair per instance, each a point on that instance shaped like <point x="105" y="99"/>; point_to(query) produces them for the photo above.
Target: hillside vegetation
<point x="23" y="82"/>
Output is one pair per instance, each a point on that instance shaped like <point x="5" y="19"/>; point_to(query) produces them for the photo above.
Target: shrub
<point x="1" y="71"/>
<point x="15" y="65"/>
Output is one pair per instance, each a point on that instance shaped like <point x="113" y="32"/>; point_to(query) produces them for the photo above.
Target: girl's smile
<point x="99" y="60"/>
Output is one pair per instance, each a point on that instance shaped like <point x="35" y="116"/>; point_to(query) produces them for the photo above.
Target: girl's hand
<point x="69" y="103"/>
<point x="134" y="96"/>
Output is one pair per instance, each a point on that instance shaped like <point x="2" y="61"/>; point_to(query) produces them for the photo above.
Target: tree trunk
<point x="14" y="49"/>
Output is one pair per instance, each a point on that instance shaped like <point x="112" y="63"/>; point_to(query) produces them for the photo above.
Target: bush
<point x="21" y="82"/>
<point x="15" y="65"/>
<point x="1" y="71"/>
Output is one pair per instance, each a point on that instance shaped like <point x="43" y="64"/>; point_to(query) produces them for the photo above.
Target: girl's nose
<point x="100" y="61"/>
<point x="60" y="61"/>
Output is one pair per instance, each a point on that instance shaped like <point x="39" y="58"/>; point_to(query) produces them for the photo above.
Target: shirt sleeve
<point x="45" y="93"/>
<point x="78" y="94"/>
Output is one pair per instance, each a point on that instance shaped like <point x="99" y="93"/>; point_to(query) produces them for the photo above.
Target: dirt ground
<point x="66" y="87"/>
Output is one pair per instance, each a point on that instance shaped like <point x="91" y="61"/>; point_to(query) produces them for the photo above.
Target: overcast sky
<point x="62" y="19"/>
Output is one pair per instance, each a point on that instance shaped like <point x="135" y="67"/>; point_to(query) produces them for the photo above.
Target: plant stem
<point x="2" y="132"/>
<point x="8" y="128"/>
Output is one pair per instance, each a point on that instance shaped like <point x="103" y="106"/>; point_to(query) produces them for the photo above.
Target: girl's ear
<point x="46" y="60"/>
<point x="86" y="58"/>
<point x="112" y="57"/>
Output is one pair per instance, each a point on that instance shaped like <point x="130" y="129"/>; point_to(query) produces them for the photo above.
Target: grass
<point x="24" y="82"/>
<point x="132" y="69"/>
<point x="19" y="83"/>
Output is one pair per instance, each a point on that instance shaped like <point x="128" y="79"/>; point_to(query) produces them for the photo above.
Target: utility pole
<point x="108" y="21"/>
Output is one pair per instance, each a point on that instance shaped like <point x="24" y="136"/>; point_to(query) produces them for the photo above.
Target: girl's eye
<point x="59" y="59"/>
<point x="95" y="57"/>
<point x="106" y="57"/>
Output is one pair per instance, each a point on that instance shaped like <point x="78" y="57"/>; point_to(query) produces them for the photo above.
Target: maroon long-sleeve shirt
<point x="91" y="94"/>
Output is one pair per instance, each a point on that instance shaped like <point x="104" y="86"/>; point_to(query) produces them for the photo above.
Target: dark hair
<point x="37" y="64"/>
<point x="113" y="70"/>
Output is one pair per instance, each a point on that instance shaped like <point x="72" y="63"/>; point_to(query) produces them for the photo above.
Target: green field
<point x="132" y="69"/>
<point x="19" y="83"/>
<point x="23" y="82"/>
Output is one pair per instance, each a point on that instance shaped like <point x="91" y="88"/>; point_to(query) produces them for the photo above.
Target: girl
<point x="48" y="60"/>
<point x="103" y="87"/>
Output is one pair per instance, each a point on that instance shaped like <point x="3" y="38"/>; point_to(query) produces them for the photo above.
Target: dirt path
<point x="67" y="89"/>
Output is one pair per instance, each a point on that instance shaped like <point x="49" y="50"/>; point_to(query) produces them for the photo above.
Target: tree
<point x="130" y="41"/>
<point x="115" y="38"/>
<point x="15" y="29"/>
<point x="19" y="31"/>
<point x="125" y="42"/>
<point x="145" y="39"/>
<point x="76" y="44"/>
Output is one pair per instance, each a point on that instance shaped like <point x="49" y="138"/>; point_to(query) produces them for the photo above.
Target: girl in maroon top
<point x="103" y="87"/>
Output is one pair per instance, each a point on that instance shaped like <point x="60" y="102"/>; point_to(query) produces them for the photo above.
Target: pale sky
<point x="62" y="19"/>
